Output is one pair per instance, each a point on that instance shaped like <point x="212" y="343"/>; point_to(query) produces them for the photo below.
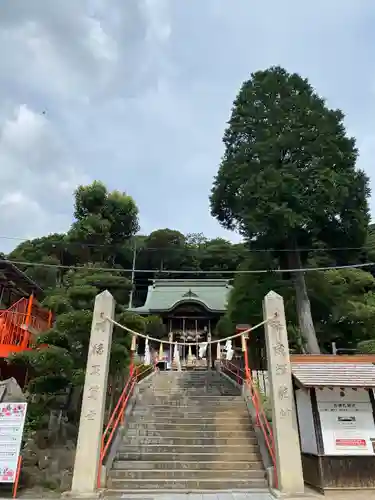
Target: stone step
<point x="194" y="387"/>
<point x="189" y="413"/>
<point x="191" y="406"/>
<point x="240" y="433"/>
<point x="218" y="484"/>
<point x="197" y="398"/>
<point x="187" y="441"/>
<point x="224" y="397"/>
<point x="197" y="474"/>
<point x="190" y="449"/>
<point x="197" y="378"/>
<point x="162" y="494"/>
<point x="203" y="403"/>
<point x="194" y="390"/>
<point x="196" y="425"/>
<point x="189" y="394"/>
<point x="183" y="456"/>
<point x="190" y="384"/>
<point x="213" y="465"/>
<point x="195" y="394"/>
<point x="203" y="420"/>
<point x="183" y="376"/>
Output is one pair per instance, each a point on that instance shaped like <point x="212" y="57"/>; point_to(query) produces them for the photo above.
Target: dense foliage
<point x="288" y="177"/>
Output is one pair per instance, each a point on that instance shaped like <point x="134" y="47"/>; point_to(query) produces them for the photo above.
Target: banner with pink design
<point x="12" y="421"/>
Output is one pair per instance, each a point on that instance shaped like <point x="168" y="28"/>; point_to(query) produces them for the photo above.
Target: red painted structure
<point x="20" y="324"/>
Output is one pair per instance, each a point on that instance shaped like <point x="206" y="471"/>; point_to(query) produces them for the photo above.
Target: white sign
<point x="12" y="421"/>
<point x="347" y="421"/>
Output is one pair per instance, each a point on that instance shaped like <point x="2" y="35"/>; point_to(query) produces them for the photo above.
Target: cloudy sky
<point x="136" y="93"/>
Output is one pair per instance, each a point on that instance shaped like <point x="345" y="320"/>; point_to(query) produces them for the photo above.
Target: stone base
<point x="86" y="494"/>
<point x="307" y="494"/>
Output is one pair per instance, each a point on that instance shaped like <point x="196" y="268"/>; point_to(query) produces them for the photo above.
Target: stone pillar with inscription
<point x="284" y="421"/>
<point x="90" y="432"/>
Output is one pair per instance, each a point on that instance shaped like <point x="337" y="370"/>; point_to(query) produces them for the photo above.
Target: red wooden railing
<point x="243" y="376"/>
<point x="118" y="414"/>
<point x="19" y="322"/>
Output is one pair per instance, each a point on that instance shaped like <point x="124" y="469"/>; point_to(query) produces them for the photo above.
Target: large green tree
<point x="59" y="369"/>
<point x="288" y="176"/>
<point x="104" y="222"/>
<point x="49" y="251"/>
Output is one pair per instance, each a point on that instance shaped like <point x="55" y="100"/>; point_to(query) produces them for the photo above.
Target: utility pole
<point x="133" y="275"/>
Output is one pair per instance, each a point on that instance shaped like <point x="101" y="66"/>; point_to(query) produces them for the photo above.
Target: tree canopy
<point x="288" y="177"/>
<point x="288" y="183"/>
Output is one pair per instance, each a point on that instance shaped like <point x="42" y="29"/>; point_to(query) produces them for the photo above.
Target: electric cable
<point x="172" y="248"/>
<point x="188" y="271"/>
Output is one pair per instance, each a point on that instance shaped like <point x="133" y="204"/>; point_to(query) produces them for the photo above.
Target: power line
<point x="172" y="248"/>
<point x="188" y="271"/>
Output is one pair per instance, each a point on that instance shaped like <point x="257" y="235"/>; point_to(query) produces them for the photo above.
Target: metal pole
<point x="133" y="276"/>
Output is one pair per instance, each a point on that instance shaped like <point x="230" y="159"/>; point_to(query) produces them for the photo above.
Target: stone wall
<point x="47" y="464"/>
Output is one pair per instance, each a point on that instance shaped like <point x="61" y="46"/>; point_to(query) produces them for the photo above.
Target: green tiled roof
<point x="165" y="295"/>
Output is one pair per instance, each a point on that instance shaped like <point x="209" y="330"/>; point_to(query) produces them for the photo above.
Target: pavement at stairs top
<point x="198" y="496"/>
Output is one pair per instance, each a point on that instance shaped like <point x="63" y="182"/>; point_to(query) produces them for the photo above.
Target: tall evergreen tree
<point x="288" y="176"/>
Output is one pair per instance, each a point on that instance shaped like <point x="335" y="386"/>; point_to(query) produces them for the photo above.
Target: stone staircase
<point x="188" y="431"/>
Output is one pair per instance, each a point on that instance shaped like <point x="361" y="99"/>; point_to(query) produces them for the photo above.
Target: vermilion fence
<point x="117" y="416"/>
<point x="243" y="377"/>
<point x="19" y="323"/>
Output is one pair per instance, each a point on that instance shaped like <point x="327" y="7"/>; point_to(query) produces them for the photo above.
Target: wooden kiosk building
<point x="335" y="406"/>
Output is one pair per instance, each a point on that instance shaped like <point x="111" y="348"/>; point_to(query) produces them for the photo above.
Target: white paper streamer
<point x="202" y="349"/>
<point x="176" y="357"/>
<point x="229" y="350"/>
<point x="147" y="354"/>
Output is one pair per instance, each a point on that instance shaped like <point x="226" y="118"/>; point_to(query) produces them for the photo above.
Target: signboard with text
<point x="12" y="421"/>
<point x="347" y="421"/>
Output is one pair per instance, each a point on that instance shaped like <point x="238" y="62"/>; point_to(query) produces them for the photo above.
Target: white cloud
<point x="36" y="178"/>
<point x="157" y="13"/>
<point x="137" y="92"/>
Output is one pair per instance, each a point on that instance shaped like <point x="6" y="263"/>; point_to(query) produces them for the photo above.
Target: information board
<point x="347" y="422"/>
<point x="12" y="421"/>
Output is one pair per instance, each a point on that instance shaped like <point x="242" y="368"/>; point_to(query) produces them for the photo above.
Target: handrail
<point x="15" y="305"/>
<point x="20" y="319"/>
<point x="118" y="414"/>
<point x="263" y="424"/>
<point x="236" y="370"/>
<point x="243" y="376"/>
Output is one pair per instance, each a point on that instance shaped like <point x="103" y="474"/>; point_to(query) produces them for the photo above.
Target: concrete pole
<point x="90" y="432"/>
<point x="284" y="422"/>
<point x="131" y="295"/>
